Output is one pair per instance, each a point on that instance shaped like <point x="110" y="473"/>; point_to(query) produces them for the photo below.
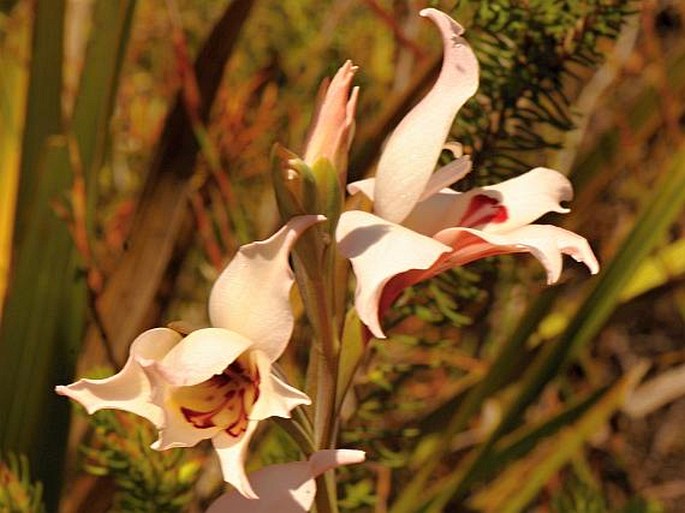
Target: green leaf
<point x="352" y="348"/>
<point x="42" y="327"/>
<point x="43" y="107"/>
<point x="99" y="82"/>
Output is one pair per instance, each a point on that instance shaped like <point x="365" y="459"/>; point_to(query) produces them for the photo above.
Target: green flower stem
<point x="316" y="285"/>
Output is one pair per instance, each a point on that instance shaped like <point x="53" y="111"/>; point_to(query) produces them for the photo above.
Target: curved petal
<point x="366" y="187"/>
<point x="232" y="453"/>
<point x="446" y="176"/>
<point x="379" y="250"/>
<point x="323" y="461"/>
<point x="276" y="398"/>
<point x="287" y="488"/>
<point x="252" y="295"/>
<point x="496" y="208"/>
<point x="547" y="243"/>
<point x="130" y="389"/>
<point x="178" y="432"/>
<point x="410" y="155"/>
<point x="201" y="355"/>
<point x="443" y="177"/>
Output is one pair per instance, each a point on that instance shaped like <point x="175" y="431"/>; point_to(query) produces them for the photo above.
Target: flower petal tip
<point x="438" y="16"/>
<point x="322" y="461"/>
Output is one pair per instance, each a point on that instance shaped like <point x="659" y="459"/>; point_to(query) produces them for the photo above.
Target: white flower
<point x="216" y="383"/>
<point x="420" y="227"/>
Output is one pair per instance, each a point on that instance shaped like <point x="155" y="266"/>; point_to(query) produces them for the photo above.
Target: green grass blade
<point x="99" y="80"/>
<point x="13" y="81"/>
<point x="41" y="329"/>
<point x="43" y="107"/>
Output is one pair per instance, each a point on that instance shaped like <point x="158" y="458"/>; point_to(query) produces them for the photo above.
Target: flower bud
<point x="332" y="128"/>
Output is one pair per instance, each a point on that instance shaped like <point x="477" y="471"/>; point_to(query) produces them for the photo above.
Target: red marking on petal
<point x="483" y="209"/>
<point x="237" y="390"/>
<point x="199" y="419"/>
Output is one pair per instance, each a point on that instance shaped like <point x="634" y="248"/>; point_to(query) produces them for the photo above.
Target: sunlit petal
<point x="443" y="177"/>
<point x="130" y="389"/>
<point x="252" y="295"/>
<point x="287" y="488"/>
<point x="410" y="155"/>
<point x="201" y="355"/>
<point x="446" y="176"/>
<point x="547" y="243"/>
<point x="366" y="187"/>
<point x="496" y="208"/>
<point x="379" y="250"/>
<point x="276" y="398"/>
<point x="232" y="453"/>
<point x="178" y="432"/>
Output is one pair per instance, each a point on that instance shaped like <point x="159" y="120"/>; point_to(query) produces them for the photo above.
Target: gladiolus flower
<point x="216" y="383"/>
<point x="420" y="227"/>
<point x="287" y="488"/>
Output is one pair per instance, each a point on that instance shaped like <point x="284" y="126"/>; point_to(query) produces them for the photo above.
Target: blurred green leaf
<point x="18" y="493"/>
<point x="42" y="327"/>
<point x="579" y="497"/>
<point x="520" y="482"/>
<point x="99" y="82"/>
<point x="352" y="348"/>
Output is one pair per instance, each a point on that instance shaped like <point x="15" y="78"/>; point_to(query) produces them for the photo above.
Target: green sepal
<point x="330" y="196"/>
<point x="294" y="184"/>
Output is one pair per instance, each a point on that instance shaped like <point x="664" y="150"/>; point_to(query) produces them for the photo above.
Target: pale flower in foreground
<point x="287" y="488"/>
<point x="216" y="383"/>
<point x="422" y="228"/>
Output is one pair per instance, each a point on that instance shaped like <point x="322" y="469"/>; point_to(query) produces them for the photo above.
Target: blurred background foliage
<point x="135" y="142"/>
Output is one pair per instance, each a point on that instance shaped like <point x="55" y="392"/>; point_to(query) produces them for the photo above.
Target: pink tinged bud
<point x="332" y="127"/>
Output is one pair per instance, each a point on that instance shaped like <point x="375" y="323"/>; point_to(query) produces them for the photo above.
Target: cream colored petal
<point x="410" y="155"/>
<point x="287" y="488"/>
<point x="178" y="432"/>
<point x="446" y="176"/>
<point x="130" y="389"/>
<point x="201" y="355"/>
<point x="443" y="177"/>
<point x="252" y="295"/>
<point x="366" y="187"/>
<point x="379" y="250"/>
<point x="547" y="243"/>
<point x="496" y="208"/>
<point x="276" y="398"/>
<point x="232" y="453"/>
